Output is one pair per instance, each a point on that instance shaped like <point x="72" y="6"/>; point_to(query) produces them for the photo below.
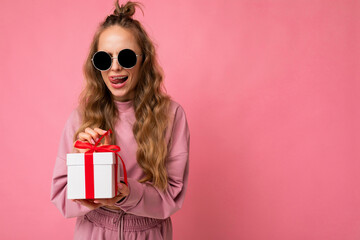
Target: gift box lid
<point x="99" y="158"/>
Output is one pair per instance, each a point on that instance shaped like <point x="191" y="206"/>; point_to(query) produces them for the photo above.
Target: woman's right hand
<point x="89" y="203"/>
<point x="91" y="136"/>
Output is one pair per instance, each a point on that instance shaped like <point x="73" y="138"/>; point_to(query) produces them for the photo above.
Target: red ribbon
<point x="89" y="163"/>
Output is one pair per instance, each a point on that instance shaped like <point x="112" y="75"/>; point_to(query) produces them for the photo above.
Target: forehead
<point x="116" y="38"/>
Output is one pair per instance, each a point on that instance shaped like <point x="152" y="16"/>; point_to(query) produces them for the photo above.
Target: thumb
<point x="120" y="186"/>
<point x="107" y="139"/>
<point x="123" y="189"/>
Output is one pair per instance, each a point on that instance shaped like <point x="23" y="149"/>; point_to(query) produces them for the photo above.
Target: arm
<point x="67" y="207"/>
<point x="146" y="200"/>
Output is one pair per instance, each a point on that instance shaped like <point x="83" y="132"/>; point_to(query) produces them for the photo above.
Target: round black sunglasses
<point x="102" y="60"/>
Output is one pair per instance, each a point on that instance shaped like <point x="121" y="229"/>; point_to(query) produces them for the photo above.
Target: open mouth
<point x="118" y="79"/>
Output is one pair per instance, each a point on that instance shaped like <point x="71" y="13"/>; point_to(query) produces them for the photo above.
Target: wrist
<point x="121" y="199"/>
<point x="120" y="196"/>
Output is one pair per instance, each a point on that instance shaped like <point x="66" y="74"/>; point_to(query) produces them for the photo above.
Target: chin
<point x="121" y="97"/>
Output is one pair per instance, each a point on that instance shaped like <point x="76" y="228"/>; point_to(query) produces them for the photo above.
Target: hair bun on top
<point x="126" y="10"/>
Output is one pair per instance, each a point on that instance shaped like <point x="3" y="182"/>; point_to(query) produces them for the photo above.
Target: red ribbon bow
<point x="89" y="163"/>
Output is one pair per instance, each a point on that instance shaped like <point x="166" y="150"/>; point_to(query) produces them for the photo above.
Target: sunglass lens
<point x="102" y="60"/>
<point x="127" y="58"/>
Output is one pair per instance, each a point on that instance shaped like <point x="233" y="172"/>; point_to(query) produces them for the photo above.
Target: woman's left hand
<point x="123" y="192"/>
<point x="92" y="204"/>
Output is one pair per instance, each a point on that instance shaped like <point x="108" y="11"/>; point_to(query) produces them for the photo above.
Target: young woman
<point x="124" y="93"/>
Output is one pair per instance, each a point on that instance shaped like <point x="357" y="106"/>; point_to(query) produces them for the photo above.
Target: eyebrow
<point x="106" y="51"/>
<point x="118" y="52"/>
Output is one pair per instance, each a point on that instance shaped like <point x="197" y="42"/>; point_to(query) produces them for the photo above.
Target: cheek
<point x="136" y="78"/>
<point x="137" y="71"/>
<point x="104" y="76"/>
<point x="135" y="74"/>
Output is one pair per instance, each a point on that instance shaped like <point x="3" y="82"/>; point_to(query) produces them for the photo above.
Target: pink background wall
<point x="271" y="93"/>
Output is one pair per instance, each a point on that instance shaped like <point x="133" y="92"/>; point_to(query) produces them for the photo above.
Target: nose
<point x="115" y="66"/>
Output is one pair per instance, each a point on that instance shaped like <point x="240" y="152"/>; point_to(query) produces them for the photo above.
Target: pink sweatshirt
<point x="144" y="199"/>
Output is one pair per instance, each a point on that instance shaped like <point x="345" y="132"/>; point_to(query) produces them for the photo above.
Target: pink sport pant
<point x="116" y="224"/>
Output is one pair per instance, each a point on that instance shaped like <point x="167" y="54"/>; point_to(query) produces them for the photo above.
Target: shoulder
<point x="71" y="126"/>
<point x="175" y="109"/>
<point x="74" y="116"/>
<point x="74" y="120"/>
<point x="178" y="134"/>
<point x="177" y="119"/>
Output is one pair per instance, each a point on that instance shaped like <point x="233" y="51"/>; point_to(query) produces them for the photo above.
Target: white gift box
<point x="104" y="175"/>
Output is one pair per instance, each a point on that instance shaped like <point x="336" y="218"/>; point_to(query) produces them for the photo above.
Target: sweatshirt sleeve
<point x="146" y="200"/>
<point x="58" y="195"/>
